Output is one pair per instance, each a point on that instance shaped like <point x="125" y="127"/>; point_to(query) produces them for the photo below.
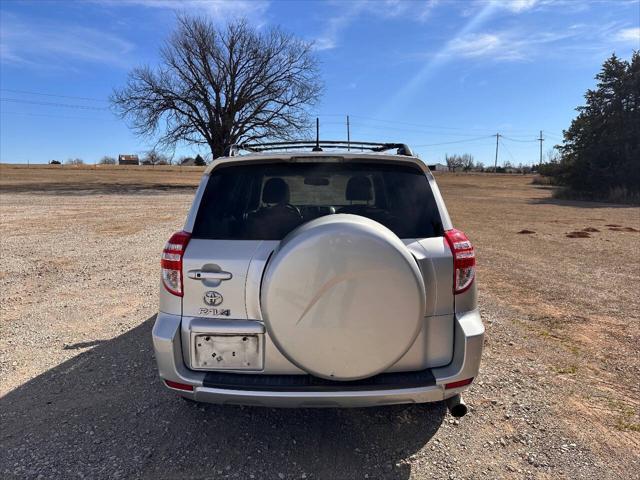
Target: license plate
<point x="226" y="352"/>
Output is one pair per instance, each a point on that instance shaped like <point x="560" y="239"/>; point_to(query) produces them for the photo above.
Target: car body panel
<point x="449" y="340"/>
<point x="468" y="345"/>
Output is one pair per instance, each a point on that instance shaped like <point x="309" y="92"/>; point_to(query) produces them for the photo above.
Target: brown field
<point x="558" y="395"/>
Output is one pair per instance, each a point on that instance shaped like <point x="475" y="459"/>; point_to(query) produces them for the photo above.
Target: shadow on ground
<point x="105" y="414"/>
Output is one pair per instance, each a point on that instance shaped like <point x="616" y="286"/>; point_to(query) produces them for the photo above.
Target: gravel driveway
<point x="81" y="397"/>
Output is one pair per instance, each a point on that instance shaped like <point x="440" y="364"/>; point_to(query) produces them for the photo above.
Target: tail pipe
<point x="457" y="407"/>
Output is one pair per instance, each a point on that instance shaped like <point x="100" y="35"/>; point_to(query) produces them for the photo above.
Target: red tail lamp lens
<point x="171" y="262"/>
<point x="179" y="386"/>
<point x="464" y="260"/>
<point x="458" y="384"/>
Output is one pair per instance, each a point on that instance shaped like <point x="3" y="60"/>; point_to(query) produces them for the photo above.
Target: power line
<point x="25" y="92"/>
<point x="397" y="122"/>
<point x="360" y="126"/>
<point x="28" y="114"/>
<point x="456" y="141"/>
<point x="553" y="135"/>
<point x="508" y="151"/>
<point x="524" y="137"/>
<point x="52" y="104"/>
<point x="516" y="140"/>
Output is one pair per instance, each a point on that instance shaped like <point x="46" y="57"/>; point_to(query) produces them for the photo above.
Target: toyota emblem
<point x="212" y="298"/>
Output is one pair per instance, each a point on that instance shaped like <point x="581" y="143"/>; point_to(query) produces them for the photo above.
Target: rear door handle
<point x="200" y="275"/>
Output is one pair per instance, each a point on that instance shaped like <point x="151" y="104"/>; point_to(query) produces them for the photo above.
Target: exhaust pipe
<point x="457" y="407"/>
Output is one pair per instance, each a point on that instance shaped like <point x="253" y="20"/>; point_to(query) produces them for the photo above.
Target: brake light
<point x="171" y="262"/>
<point x="464" y="260"/>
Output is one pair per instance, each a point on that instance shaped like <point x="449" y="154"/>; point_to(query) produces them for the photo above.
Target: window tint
<point x="267" y="201"/>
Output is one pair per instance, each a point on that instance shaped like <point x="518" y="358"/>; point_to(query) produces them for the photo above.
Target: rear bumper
<point x="293" y="391"/>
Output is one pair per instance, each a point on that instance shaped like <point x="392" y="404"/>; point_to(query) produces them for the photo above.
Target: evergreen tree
<point x="601" y="148"/>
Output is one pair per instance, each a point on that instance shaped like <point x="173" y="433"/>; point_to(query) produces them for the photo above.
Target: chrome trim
<point x="225" y="327"/>
<point x="203" y="275"/>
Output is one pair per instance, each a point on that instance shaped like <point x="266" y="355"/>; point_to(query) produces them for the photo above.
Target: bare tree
<point x="453" y="162"/>
<point x="219" y="86"/>
<point x="456" y="161"/>
<point x="74" y="161"/>
<point x="467" y="162"/>
<point x="107" y="160"/>
<point x="153" y="157"/>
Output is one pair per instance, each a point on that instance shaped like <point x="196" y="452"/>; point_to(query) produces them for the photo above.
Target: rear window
<point x="267" y="201"/>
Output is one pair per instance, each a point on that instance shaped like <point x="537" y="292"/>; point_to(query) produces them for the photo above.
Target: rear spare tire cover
<point x="342" y="298"/>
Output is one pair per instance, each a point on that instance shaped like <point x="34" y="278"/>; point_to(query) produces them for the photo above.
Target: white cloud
<point x="521" y="44"/>
<point x="507" y="45"/>
<point x="328" y="39"/>
<point x="47" y="44"/>
<point x="387" y="9"/>
<point x="217" y="9"/>
<point x="469" y="9"/>
<point x="416" y="11"/>
<point x="518" y="6"/>
<point x="476" y="45"/>
<point x="631" y="35"/>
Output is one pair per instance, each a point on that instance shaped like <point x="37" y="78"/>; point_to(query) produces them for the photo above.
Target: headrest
<point x="275" y="190"/>
<point x="359" y="188"/>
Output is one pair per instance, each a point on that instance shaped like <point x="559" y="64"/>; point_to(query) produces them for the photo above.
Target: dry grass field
<point x="558" y="395"/>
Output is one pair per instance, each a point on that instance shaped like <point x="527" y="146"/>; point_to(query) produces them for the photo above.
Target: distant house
<point x="128" y="160"/>
<point x="438" y="167"/>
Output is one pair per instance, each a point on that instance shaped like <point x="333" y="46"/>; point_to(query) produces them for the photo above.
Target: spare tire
<point x="342" y="298"/>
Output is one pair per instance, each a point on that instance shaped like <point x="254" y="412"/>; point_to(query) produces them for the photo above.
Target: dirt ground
<point x="558" y="395"/>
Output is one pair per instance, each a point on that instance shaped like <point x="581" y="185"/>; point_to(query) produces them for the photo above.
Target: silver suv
<point x="318" y="278"/>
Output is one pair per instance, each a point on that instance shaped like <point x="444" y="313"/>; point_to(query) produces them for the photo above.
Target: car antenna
<point x="317" y="147"/>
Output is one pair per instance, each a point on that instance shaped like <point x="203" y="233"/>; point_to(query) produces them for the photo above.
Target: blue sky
<point x="440" y="75"/>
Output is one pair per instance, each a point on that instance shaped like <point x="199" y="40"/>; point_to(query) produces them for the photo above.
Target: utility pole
<point x="495" y="168"/>
<point x="348" y="136"/>
<point x="540" y="140"/>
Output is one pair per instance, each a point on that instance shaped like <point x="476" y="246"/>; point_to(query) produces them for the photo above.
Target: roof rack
<point x="319" y="146"/>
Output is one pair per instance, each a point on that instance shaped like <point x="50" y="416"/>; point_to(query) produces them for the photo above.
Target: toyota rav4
<point x="319" y="278"/>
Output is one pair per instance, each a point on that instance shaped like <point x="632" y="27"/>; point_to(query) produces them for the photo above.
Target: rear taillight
<point x="464" y="260"/>
<point x="171" y="262"/>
